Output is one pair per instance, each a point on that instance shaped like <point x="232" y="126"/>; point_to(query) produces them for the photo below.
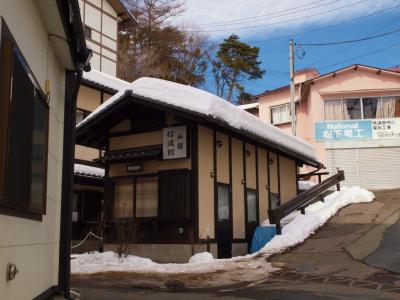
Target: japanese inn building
<point x="190" y="168"/>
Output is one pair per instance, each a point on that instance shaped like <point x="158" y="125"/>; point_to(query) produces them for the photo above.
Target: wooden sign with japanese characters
<point x="175" y="142"/>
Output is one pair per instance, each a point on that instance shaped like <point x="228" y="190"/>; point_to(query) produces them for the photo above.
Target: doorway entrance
<point x="251" y="215"/>
<point x="223" y="221"/>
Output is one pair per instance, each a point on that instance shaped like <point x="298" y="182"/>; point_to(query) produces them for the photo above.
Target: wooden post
<point x="278" y="228"/>
<point x="338" y="187"/>
<point x="208" y="244"/>
<point x="303" y="211"/>
<point x="319" y="178"/>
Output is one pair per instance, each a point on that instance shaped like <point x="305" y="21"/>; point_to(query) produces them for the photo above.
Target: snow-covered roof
<point x="214" y="109"/>
<point x="104" y="80"/>
<point x="248" y="106"/>
<point x="89" y="171"/>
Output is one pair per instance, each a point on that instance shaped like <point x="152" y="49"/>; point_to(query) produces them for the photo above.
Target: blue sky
<point x="312" y="16"/>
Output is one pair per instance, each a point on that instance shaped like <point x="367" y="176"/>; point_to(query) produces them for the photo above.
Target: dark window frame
<point x="8" y="207"/>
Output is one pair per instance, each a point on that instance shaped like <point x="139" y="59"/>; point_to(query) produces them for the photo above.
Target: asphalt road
<point x="354" y="256"/>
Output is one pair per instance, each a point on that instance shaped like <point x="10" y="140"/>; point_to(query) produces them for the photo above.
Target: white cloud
<point x="278" y="12"/>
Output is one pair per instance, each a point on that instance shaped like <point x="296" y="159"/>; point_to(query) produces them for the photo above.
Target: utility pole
<point x="292" y="91"/>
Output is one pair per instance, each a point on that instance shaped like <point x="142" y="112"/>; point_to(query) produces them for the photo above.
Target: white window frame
<point x="287" y="105"/>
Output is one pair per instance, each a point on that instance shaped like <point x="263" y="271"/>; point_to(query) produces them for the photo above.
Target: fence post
<point x="338" y="187"/>
<point x="278" y="227"/>
<point x="303" y="211"/>
<point x="208" y="243"/>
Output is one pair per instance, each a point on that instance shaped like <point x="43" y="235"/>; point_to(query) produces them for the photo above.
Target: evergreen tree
<point x="235" y="61"/>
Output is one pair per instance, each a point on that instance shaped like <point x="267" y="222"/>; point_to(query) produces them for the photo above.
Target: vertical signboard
<point x="175" y="142"/>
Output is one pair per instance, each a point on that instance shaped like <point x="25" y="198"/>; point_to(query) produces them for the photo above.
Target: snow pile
<point x="85" y="170"/>
<point x="95" y="262"/>
<point x="106" y="80"/>
<point x="305" y="185"/>
<point x="205" y="104"/>
<point x="299" y="228"/>
<point x="201" y="257"/>
<point x="317" y="214"/>
<point x="248" y="106"/>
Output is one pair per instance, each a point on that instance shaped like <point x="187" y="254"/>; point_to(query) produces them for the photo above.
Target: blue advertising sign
<point x="343" y="130"/>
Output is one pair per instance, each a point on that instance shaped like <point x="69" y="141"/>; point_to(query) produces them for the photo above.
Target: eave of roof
<point x="91" y="130"/>
<point x="74" y="31"/>
<point x="354" y="67"/>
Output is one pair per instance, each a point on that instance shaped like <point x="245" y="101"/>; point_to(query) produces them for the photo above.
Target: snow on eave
<point x="248" y="106"/>
<point x="104" y="80"/>
<point x="214" y="109"/>
<point x="89" y="171"/>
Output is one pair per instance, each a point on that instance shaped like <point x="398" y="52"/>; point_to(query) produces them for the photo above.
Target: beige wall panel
<point x="86" y="153"/>
<point x="251" y="167"/>
<point x="150" y="167"/>
<point x="237" y="190"/>
<point x="34" y="246"/>
<point x="262" y="183"/>
<point x="95" y="62"/>
<point x="93" y="17"/>
<point x="136" y="140"/>
<point x="273" y="172"/>
<point x="108" y="8"/>
<point x="106" y="96"/>
<point x="93" y="46"/>
<point x="109" y="27"/>
<point x="124" y="125"/>
<point x="108" y="54"/>
<point x="109" y="43"/>
<point x="288" y="179"/>
<point x="97" y="3"/>
<point x="88" y="98"/>
<point x="96" y="36"/>
<point x="206" y="182"/>
<point x="81" y="8"/>
<point x="222" y="158"/>
<point x="109" y="67"/>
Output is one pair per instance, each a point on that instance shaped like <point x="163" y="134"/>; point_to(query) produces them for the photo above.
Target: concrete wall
<point x="206" y="182"/>
<point x="101" y="18"/>
<point x="34" y="245"/>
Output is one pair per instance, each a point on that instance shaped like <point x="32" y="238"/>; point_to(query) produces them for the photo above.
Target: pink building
<point x="351" y="116"/>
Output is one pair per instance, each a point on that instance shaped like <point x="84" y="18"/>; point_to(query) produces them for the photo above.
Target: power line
<point x="360" y="56"/>
<point x="325" y="27"/>
<point x="352" y="45"/>
<point x="287" y="21"/>
<point x="270" y="15"/>
<point x="352" y="41"/>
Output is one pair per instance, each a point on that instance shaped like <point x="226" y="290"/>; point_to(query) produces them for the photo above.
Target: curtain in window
<point x="387" y="108"/>
<point x="275" y="115"/>
<point x="352" y="109"/>
<point x="123" y="200"/>
<point x="333" y="110"/>
<point x="146" y="197"/>
<point x="370" y="107"/>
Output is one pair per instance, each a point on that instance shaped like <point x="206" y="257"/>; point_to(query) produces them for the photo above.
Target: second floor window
<point x="280" y="114"/>
<point x="362" y="108"/>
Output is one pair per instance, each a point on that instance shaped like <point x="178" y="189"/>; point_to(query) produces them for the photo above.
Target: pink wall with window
<point x="351" y="82"/>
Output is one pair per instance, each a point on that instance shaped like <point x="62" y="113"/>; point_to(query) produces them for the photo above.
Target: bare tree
<point x="153" y="47"/>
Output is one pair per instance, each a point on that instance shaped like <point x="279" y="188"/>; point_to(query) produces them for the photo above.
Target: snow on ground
<point x="298" y="228"/>
<point x="305" y="185"/>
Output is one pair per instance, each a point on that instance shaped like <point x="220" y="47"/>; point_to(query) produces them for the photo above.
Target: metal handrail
<point x="301" y="201"/>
